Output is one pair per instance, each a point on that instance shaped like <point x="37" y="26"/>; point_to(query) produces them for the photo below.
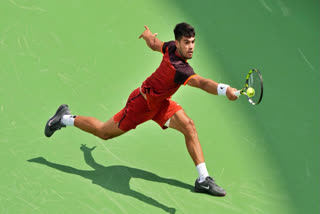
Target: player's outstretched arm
<point x="152" y="41"/>
<point x="210" y="86"/>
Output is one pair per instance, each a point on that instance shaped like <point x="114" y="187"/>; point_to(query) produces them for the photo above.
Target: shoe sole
<point x="207" y="192"/>
<point x="62" y="110"/>
<point x="200" y="190"/>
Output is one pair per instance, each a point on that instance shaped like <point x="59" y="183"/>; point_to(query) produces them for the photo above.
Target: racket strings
<point x="255" y="83"/>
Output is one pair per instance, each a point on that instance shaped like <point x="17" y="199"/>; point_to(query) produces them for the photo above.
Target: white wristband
<point x="222" y="89"/>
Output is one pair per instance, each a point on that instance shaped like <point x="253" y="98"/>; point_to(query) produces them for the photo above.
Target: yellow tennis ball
<point x="250" y="92"/>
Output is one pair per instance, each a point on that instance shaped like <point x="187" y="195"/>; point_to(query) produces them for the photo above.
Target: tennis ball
<point x="250" y="92"/>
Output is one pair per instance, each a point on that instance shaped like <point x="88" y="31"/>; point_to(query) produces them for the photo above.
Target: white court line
<point x="305" y="59"/>
<point x="112" y="154"/>
<point x="28" y="203"/>
<point x="284" y="8"/>
<point x="264" y="4"/>
<point x="25" y="7"/>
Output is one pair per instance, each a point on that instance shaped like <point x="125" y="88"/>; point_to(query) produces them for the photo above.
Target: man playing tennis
<point x="151" y="101"/>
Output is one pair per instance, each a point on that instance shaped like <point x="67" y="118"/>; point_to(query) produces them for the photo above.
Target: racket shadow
<point x="116" y="178"/>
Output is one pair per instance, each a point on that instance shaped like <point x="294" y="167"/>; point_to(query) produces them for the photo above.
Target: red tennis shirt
<point x="169" y="76"/>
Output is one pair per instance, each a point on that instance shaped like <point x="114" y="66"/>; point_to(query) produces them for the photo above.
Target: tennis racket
<point x="253" y="81"/>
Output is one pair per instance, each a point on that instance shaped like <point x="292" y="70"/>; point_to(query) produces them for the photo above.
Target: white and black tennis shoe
<point x="54" y="123"/>
<point x="209" y="186"/>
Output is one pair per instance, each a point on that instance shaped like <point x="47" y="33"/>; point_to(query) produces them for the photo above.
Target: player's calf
<point x="104" y="130"/>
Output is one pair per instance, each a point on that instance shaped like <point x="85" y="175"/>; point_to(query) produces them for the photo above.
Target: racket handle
<point x="237" y="93"/>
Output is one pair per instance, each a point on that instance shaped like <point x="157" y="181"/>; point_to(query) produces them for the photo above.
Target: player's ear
<point x="177" y="44"/>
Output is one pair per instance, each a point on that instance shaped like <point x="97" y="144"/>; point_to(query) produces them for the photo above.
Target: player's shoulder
<point x="168" y="47"/>
<point x="169" y="43"/>
<point x="180" y="64"/>
<point x="183" y="65"/>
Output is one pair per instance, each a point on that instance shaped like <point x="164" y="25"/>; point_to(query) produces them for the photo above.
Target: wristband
<point x="222" y="89"/>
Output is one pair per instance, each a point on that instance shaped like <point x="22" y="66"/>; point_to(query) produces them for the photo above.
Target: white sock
<point x="202" y="171"/>
<point x="68" y="120"/>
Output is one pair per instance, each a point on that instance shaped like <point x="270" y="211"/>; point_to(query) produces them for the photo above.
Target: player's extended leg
<point x="63" y="118"/>
<point x="104" y="130"/>
<point x="181" y="122"/>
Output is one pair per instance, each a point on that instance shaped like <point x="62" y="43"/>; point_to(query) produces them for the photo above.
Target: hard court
<point x="87" y="54"/>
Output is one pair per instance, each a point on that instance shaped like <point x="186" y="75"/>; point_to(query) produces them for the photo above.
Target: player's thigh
<point x="166" y="110"/>
<point x="110" y="129"/>
<point x="181" y="122"/>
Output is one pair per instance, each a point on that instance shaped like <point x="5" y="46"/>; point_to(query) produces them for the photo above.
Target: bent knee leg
<point x="101" y="133"/>
<point x="105" y="137"/>
<point x="109" y="130"/>
<point x="189" y="127"/>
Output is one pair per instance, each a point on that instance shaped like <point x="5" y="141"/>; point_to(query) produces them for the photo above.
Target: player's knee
<point x="190" y="127"/>
<point x="105" y="136"/>
<point x="102" y="134"/>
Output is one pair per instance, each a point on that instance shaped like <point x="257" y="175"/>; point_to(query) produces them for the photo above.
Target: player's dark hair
<point x="183" y="29"/>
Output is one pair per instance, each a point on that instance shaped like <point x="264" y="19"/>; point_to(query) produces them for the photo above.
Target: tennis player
<point x="151" y="101"/>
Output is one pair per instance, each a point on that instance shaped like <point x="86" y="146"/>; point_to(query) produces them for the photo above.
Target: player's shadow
<point x="116" y="178"/>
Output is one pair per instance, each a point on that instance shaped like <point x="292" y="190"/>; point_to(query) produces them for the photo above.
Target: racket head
<point x="254" y="80"/>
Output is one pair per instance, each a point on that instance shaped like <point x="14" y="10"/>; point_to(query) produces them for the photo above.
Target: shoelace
<point x="210" y="178"/>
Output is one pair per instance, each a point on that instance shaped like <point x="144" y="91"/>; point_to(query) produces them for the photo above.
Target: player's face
<point x="185" y="47"/>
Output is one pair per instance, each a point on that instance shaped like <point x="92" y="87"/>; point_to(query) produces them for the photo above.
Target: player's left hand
<point x="146" y="33"/>
<point x="230" y="93"/>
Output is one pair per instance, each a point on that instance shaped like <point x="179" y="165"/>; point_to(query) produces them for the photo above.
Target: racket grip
<point x="237" y="93"/>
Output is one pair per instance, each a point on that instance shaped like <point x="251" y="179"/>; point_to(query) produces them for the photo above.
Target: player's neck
<point x="180" y="55"/>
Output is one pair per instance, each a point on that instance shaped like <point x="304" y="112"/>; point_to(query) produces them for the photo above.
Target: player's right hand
<point x="230" y="93"/>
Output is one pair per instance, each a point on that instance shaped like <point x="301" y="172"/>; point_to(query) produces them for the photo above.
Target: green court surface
<point x="87" y="54"/>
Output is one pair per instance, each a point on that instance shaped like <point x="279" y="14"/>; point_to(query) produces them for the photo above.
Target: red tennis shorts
<point x="137" y="111"/>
